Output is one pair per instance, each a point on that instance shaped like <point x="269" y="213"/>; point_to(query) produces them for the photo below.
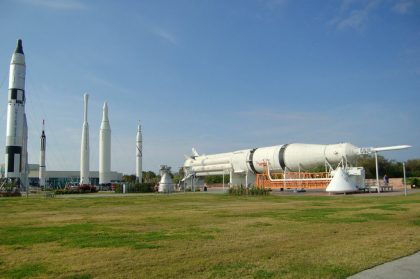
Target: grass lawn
<point x="203" y="235"/>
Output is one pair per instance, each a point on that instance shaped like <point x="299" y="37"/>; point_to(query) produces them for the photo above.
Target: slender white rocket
<point x="105" y="148"/>
<point x="42" y="166"/>
<point x="84" y="150"/>
<point x="139" y="155"/>
<point x="15" y="114"/>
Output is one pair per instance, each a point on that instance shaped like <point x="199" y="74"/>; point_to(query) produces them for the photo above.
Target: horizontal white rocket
<point x="287" y="157"/>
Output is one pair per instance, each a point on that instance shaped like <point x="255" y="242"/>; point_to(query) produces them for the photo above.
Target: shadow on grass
<point x="79" y="276"/>
<point x="319" y="213"/>
<point x="25" y="271"/>
<point x="230" y="270"/>
<point x="93" y="235"/>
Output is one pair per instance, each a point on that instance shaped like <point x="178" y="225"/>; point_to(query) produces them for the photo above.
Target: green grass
<point x="200" y="235"/>
<point x="25" y="271"/>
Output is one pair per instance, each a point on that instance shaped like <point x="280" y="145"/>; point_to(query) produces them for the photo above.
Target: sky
<point x="215" y="75"/>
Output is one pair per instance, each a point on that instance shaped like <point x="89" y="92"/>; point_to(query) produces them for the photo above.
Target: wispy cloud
<point x="106" y="83"/>
<point x="354" y="14"/>
<point x="64" y="5"/>
<point x="164" y="34"/>
<point x="403" y="7"/>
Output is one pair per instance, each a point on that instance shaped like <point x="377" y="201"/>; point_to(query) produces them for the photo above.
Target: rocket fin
<point x="194" y="153"/>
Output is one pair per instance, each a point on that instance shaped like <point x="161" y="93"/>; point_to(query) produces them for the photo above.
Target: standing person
<point x="386" y="180"/>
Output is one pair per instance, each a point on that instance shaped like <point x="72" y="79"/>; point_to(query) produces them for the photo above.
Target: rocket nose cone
<point x="105" y="112"/>
<point x="19" y="48"/>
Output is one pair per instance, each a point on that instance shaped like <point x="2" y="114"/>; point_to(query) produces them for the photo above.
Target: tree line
<point x="391" y="168"/>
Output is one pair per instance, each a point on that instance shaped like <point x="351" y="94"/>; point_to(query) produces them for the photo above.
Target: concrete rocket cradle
<point x="105" y="148"/>
<point x="15" y="115"/>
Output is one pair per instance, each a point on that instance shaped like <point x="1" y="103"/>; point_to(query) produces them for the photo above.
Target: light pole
<point x="405" y="182"/>
<point x="377" y="172"/>
<point x="223" y="180"/>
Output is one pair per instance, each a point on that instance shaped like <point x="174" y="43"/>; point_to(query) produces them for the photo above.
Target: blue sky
<point x="215" y="75"/>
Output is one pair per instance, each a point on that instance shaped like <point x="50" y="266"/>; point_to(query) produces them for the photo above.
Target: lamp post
<point x="405" y="182"/>
<point x="223" y="180"/>
<point x="377" y="172"/>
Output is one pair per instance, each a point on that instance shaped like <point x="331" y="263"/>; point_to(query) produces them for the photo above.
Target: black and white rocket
<point x="84" y="148"/>
<point x="105" y="148"/>
<point x="139" y="155"/>
<point x="42" y="166"/>
<point x="15" y="115"/>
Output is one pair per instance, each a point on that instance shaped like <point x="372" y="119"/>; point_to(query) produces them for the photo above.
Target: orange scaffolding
<point x="298" y="180"/>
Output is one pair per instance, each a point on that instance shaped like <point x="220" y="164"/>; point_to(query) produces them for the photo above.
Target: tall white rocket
<point x="105" y="148"/>
<point x="15" y="114"/>
<point x="42" y="166"/>
<point x="139" y="155"/>
<point x="84" y="150"/>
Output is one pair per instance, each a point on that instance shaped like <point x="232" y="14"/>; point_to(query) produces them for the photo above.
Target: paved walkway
<point x="407" y="268"/>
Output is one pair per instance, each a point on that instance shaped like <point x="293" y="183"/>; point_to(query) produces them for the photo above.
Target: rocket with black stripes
<point x="244" y="165"/>
<point x="15" y="115"/>
<point x="42" y="166"/>
<point x="139" y="155"/>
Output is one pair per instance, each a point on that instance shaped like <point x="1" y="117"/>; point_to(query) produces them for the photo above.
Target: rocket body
<point x="105" y="148"/>
<point x="42" y="166"/>
<point x="84" y="149"/>
<point x="139" y="155"/>
<point x="15" y="114"/>
<point x="244" y="165"/>
<point x="290" y="157"/>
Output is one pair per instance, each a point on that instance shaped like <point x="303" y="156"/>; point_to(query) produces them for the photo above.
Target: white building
<point x="59" y="179"/>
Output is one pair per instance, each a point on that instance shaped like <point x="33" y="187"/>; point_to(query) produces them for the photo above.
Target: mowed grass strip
<point x="202" y="235"/>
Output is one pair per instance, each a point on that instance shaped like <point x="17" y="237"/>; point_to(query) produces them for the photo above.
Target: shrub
<point x="10" y="194"/>
<point x="82" y="189"/>
<point x="87" y="189"/>
<point x="413" y="181"/>
<point x="118" y="188"/>
<point x="252" y="191"/>
<point x="144" y="187"/>
<point x="136" y="188"/>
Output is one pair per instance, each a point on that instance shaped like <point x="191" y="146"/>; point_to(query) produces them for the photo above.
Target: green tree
<point x="178" y="176"/>
<point x="413" y="167"/>
<point x="215" y="179"/>
<point x="150" y="177"/>
<point x="390" y="167"/>
<point x="129" y="178"/>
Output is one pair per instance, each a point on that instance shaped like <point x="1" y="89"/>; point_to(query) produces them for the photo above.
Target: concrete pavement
<point x="406" y="267"/>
